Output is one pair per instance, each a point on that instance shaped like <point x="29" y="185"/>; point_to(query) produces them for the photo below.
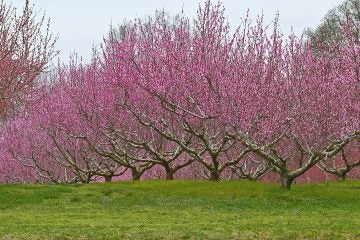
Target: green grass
<point x="180" y="210"/>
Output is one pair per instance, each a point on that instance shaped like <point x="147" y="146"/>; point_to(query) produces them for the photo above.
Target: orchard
<point x="178" y="98"/>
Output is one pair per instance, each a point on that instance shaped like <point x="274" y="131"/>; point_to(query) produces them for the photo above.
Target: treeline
<point x="179" y="98"/>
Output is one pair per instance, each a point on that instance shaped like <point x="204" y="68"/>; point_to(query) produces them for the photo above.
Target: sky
<point x="81" y="24"/>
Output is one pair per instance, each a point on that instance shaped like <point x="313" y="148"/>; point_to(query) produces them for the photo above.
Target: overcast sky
<point x="80" y="24"/>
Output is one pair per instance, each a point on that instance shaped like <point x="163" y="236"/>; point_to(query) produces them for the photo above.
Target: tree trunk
<point x="169" y="175"/>
<point x="285" y="182"/>
<point x="87" y="179"/>
<point x="169" y="172"/>
<point x="342" y="177"/>
<point x="135" y="175"/>
<point x="214" y="175"/>
<point x="108" y="178"/>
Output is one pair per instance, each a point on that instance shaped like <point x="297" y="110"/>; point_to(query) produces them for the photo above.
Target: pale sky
<point x="80" y="24"/>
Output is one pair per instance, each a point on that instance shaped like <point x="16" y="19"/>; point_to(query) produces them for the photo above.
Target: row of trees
<point x="167" y="97"/>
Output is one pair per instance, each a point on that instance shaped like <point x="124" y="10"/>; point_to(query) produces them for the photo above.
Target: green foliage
<point x="180" y="210"/>
<point x="328" y="32"/>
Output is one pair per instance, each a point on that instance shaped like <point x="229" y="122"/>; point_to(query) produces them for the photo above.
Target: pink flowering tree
<point x="25" y="49"/>
<point x="344" y="165"/>
<point x="310" y="108"/>
<point x="45" y="140"/>
<point x="346" y="52"/>
<point x="99" y="120"/>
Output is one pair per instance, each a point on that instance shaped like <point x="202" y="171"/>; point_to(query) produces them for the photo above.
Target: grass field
<point x="180" y="210"/>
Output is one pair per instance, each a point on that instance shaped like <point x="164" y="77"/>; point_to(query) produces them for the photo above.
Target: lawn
<point x="180" y="210"/>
